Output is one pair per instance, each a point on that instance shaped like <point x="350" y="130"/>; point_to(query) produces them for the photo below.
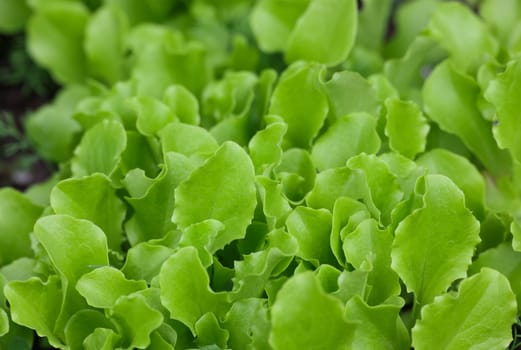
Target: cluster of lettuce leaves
<point x="268" y="175"/>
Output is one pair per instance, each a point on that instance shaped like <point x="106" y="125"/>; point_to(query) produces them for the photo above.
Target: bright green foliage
<point x="368" y="249"/>
<point x="91" y="198"/>
<point x="103" y="286"/>
<point x="329" y="42"/>
<point x="501" y="92"/>
<point x="461" y="172"/>
<point x="82" y="324"/>
<point x="405" y="118"/>
<point x="297" y="174"/>
<point x="55" y="40"/>
<point x="265" y="147"/>
<point x="434" y="244"/>
<point x="247" y="322"/>
<point x="52" y="129"/>
<point x="348" y="136"/>
<point x="153" y="211"/>
<point x="380" y="326"/>
<point x="383" y="186"/>
<point x="505" y="260"/>
<point x="503" y="18"/>
<point x="185" y="289"/>
<point x="18" y="216"/>
<point x="135" y="320"/>
<point x="311" y="228"/>
<point x="191" y="141"/>
<point x="105" y="44"/>
<point x="183" y="103"/>
<point x="222" y="189"/>
<point x="467" y="48"/>
<point x="13" y="15"/>
<point x="449" y="99"/>
<point x="300" y="102"/>
<point x="144" y="261"/>
<point x="100" y="149"/>
<point x="349" y="92"/>
<point x="305" y="317"/>
<point x="36" y="305"/>
<point x="477" y="317"/>
<point x="152" y="115"/>
<point x="298" y="29"/>
<point x="102" y="339"/>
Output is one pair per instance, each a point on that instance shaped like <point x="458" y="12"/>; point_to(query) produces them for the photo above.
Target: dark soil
<point x="23" y="88"/>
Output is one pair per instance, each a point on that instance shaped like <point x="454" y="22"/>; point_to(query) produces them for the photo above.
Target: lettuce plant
<point x="269" y="175"/>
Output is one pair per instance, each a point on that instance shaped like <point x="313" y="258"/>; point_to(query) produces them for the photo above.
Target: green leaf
<point x="74" y="246"/>
<point x="36" y="305"/>
<point x="311" y="228"/>
<point x="384" y="187"/>
<point x="183" y="103"/>
<point x="135" y="320"/>
<point x="328" y="42"/>
<point x="55" y="38"/>
<point x="101" y="339"/>
<point x="105" y="36"/>
<point x="82" y="324"/>
<point x="502" y="17"/>
<point x="501" y="92"/>
<point x="468" y="48"/>
<point x="275" y="205"/>
<point x="152" y="115"/>
<point x="379" y="327"/>
<point x="52" y="129"/>
<point x="410" y="19"/>
<point x="222" y="189"/>
<point x="368" y="248"/>
<point x="273" y="21"/>
<point x="433" y="246"/>
<point x="332" y="184"/>
<point x="202" y="236"/>
<point x="13" y="15"/>
<point x="372" y="24"/>
<point x="167" y="59"/>
<point x="300" y="102"/>
<point x="297" y="173"/>
<point x="450" y="100"/>
<point x="462" y="172"/>
<point x="185" y="289"/>
<point x="348" y="136"/>
<point x="248" y="324"/>
<point x="230" y="97"/>
<point x="348" y="92"/>
<point x="103" y="286"/>
<point x="140" y="153"/>
<point x="4" y="323"/>
<point x="504" y="260"/>
<point x="479" y="316"/>
<point x="16" y="223"/>
<point x="344" y="210"/>
<point x="92" y="198"/>
<point x="407" y="74"/>
<point x="305" y="317"/>
<point x="189" y="140"/>
<point x="144" y="261"/>
<point x="406" y="127"/>
<point x="266" y="147"/>
<point x="209" y="332"/>
<point x="252" y="275"/>
<point x="100" y="149"/>
<point x="152" y="216"/>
